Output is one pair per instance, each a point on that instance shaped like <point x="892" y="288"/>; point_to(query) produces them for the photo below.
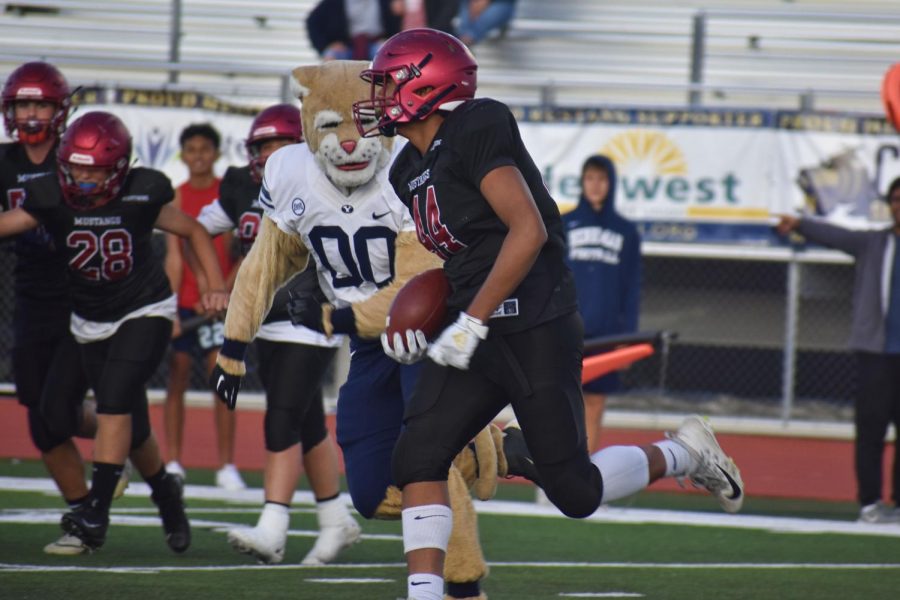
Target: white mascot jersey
<point x="351" y="238"/>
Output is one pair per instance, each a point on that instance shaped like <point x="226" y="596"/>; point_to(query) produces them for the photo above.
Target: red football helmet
<point x="97" y="139"/>
<point x="36" y="81"/>
<point x="279" y="121"/>
<point x="430" y="70"/>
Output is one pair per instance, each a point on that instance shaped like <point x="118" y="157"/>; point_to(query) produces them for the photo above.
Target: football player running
<point x="330" y="198"/>
<point x="479" y="203"/>
<point x="101" y="213"/>
<point x="292" y="363"/>
<point x="49" y="378"/>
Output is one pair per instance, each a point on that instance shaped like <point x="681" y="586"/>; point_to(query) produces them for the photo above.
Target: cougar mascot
<point x="330" y="199"/>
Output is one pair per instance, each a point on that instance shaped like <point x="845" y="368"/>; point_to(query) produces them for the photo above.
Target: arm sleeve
<point x="214" y="218"/>
<point x="273" y="259"/>
<point x="410" y="259"/>
<point x="820" y="232"/>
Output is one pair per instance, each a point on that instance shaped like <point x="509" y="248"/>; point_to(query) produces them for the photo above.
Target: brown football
<point x="420" y="304"/>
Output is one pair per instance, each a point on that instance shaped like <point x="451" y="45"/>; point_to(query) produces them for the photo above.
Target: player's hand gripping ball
<point x="418" y="313"/>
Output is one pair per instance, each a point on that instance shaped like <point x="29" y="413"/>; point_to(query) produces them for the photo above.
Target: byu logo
<point x="346" y="209"/>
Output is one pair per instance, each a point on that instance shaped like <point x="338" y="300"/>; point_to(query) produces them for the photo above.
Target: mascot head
<point x="328" y="92"/>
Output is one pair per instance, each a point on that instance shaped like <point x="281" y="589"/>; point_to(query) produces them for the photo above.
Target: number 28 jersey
<point x="454" y="220"/>
<point x="351" y="238"/>
<point x="108" y="249"/>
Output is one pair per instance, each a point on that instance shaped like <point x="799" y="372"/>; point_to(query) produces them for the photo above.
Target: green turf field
<point x="691" y="552"/>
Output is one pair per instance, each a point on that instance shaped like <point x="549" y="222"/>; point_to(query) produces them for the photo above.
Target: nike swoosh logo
<point x="377" y="216"/>
<point x="90" y="525"/>
<point x="735" y="488"/>
<point x="220" y="381"/>
<point x="420" y="517"/>
<point x="418" y="582"/>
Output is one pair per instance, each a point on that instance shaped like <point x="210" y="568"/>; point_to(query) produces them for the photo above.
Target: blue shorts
<point x="200" y="341"/>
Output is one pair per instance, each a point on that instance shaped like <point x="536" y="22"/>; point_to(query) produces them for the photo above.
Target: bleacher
<point x="572" y="52"/>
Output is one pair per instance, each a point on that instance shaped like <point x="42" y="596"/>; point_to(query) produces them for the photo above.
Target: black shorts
<point x="49" y="377"/>
<point x="202" y="340"/>
<point x="120" y="366"/>
<point x="537" y="371"/>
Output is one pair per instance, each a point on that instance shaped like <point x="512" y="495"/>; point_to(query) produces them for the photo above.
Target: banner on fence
<point x="685" y="175"/>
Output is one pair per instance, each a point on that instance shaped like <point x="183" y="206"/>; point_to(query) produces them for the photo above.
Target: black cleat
<point x="87" y="524"/>
<point x="170" y="501"/>
<point x="518" y="458"/>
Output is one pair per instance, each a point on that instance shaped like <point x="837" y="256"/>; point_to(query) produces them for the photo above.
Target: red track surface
<point x="770" y="465"/>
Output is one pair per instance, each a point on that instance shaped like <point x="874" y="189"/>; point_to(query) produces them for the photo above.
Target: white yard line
<point x="624" y="515"/>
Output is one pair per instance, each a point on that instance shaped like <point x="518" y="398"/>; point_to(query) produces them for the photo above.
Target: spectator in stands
<point x="199" y="152"/>
<point x="604" y="253"/>
<point x="352" y="29"/>
<point x="439" y="14"/>
<point x="478" y="18"/>
<point x="875" y="337"/>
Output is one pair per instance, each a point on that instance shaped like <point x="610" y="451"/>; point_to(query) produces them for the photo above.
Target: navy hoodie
<point x="603" y="249"/>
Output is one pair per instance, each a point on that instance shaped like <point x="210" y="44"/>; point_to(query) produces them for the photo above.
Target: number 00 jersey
<point x="43" y="304"/>
<point x="108" y="249"/>
<point x="351" y="238"/>
<point x="238" y="208"/>
<point x="454" y="220"/>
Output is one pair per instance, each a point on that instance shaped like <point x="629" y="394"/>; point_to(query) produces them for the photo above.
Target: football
<point x="420" y="304"/>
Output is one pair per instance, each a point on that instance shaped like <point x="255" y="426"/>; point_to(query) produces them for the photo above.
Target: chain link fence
<point x="738" y="351"/>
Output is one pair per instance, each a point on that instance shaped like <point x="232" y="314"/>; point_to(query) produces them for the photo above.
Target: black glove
<point x="226" y="386"/>
<point x="305" y="310"/>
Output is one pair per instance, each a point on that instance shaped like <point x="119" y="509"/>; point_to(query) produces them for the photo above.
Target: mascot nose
<point x="349" y="146"/>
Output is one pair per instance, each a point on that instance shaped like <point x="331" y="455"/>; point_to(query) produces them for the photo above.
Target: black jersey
<point x="239" y="198"/>
<point x="455" y="221"/>
<point x="42" y="295"/>
<point x="108" y="249"/>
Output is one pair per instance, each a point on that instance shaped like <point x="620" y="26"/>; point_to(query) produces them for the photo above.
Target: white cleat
<point x="263" y="545"/>
<point x="124" y="479"/>
<point x="332" y="540"/>
<point x="229" y="478"/>
<point x="714" y="470"/>
<point x="67" y="545"/>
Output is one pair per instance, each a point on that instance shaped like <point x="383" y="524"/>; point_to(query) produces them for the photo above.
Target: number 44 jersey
<point x="351" y="238"/>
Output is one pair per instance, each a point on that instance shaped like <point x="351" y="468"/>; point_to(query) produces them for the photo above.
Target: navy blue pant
<point x="369" y="416"/>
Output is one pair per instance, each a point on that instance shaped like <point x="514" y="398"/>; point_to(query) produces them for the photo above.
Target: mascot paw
<point x="482" y="462"/>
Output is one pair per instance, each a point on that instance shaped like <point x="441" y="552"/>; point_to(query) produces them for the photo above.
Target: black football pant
<point x="120" y="366"/>
<point x="51" y="383"/>
<point x="292" y="378"/>
<point x="877" y="405"/>
<point x="538" y="371"/>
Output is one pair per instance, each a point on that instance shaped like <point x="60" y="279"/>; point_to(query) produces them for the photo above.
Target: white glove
<point x="405" y="353"/>
<point x="456" y="345"/>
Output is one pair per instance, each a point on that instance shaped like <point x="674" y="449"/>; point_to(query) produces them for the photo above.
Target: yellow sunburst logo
<point x="642" y="152"/>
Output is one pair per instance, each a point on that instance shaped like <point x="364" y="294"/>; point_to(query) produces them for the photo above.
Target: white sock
<point x="678" y="460"/>
<point x="331" y="513"/>
<point x="625" y="471"/>
<point x="274" y="518"/>
<point x="425" y="586"/>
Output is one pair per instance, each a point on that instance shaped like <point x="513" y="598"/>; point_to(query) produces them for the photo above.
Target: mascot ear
<point x="304" y="80"/>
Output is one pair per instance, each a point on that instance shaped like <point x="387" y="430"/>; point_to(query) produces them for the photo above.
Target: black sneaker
<point x="88" y="524"/>
<point x="518" y="458"/>
<point x="170" y="501"/>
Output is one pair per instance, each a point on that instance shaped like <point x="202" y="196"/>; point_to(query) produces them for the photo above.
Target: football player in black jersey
<point x="292" y="363"/>
<point x="478" y="201"/>
<point x="49" y="379"/>
<point x="101" y="214"/>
